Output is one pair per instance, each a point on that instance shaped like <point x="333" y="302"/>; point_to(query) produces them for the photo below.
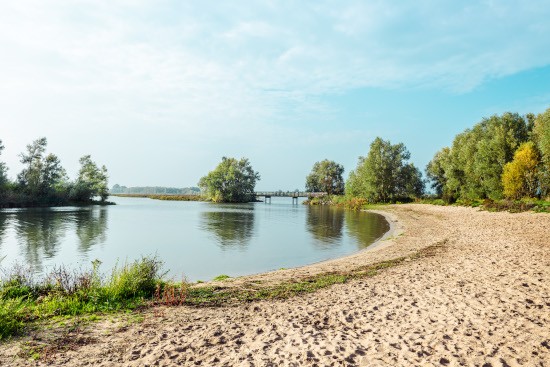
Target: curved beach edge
<point x="354" y="260"/>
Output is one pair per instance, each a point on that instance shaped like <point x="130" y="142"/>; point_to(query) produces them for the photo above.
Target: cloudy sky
<point x="159" y="91"/>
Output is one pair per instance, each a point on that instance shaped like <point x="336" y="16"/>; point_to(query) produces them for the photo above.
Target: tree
<point x="30" y="177"/>
<point x="472" y="167"/>
<point x="54" y="176"/>
<point x="435" y="170"/>
<point x="541" y="135"/>
<point x="92" y="181"/>
<point x="3" y="170"/>
<point x="520" y="177"/>
<point x="384" y="174"/>
<point x="326" y="176"/>
<point x="231" y="181"/>
<point x="43" y="176"/>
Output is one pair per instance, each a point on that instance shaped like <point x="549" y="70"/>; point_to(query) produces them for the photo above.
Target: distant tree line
<point x="505" y="156"/>
<point x="154" y="190"/>
<point x="44" y="182"/>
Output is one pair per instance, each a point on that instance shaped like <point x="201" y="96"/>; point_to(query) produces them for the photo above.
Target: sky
<point x="159" y="91"/>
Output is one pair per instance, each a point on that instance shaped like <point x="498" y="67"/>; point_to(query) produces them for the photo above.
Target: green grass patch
<point x="217" y="296"/>
<point x="24" y="299"/>
<point x="221" y="277"/>
<point x="343" y="201"/>
<point x="512" y="206"/>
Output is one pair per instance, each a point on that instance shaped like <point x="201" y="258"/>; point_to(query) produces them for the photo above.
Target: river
<point x="197" y="240"/>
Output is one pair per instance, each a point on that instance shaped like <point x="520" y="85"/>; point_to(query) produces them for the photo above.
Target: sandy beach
<point x="481" y="298"/>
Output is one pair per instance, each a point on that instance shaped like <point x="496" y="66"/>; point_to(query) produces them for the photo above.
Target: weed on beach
<point x="24" y="298"/>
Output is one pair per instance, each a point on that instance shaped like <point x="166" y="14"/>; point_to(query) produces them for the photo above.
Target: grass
<point x="512" y="206"/>
<point x="24" y="299"/>
<point x="208" y="295"/>
<point x="221" y="277"/>
<point x="343" y="201"/>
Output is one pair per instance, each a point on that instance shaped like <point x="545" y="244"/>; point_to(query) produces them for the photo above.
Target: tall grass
<point x="25" y="298"/>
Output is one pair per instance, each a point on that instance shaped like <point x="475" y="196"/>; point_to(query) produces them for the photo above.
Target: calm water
<point x="199" y="240"/>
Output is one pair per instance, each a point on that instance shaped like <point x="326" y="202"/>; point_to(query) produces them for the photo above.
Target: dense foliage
<point x="43" y="181"/>
<point x="501" y="156"/>
<point x="541" y="137"/>
<point x="232" y="181"/>
<point x="384" y="175"/>
<point x="519" y="178"/>
<point x="326" y="176"/>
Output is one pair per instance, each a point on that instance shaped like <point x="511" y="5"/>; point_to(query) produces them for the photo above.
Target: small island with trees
<point x="44" y="182"/>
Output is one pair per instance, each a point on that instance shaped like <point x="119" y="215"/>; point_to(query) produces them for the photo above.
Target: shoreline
<point x="344" y="263"/>
<point x="482" y="297"/>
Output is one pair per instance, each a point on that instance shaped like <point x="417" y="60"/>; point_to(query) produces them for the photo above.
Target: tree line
<point x="506" y="156"/>
<point x="44" y="182"/>
<point x="503" y="156"/>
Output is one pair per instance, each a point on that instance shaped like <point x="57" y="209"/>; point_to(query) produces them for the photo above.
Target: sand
<point x="482" y="299"/>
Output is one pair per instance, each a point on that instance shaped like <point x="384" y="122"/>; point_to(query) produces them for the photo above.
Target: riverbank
<point x="479" y="294"/>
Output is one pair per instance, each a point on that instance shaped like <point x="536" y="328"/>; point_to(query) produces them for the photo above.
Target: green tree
<point x="384" y="174"/>
<point x="43" y="176"/>
<point x="472" y="168"/>
<point x="92" y="181"/>
<point x="520" y="176"/>
<point x="435" y="170"/>
<point x="54" y="177"/>
<point x="3" y="170"/>
<point x="231" y="181"/>
<point x="541" y="136"/>
<point x="326" y="176"/>
<point x="30" y="177"/>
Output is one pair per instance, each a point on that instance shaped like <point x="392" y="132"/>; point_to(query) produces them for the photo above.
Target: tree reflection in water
<point x="91" y="228"/>
<point x="365" y="227"/>
<point x="231" y="228"/>
<point x="40" y="232"/>
<point x="325" y="224"/>
<point x="4" y="219"/>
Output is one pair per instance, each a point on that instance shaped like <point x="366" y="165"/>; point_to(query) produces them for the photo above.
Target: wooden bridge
<point x="288" y="194"/>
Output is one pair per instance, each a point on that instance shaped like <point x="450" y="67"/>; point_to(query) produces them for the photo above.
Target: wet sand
<point x="482" y="299"/>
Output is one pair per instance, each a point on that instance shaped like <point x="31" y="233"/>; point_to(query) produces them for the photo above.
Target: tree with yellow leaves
<point x="520" y="176"/>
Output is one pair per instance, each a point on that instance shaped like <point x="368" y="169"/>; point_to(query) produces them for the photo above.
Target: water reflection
<point x="91" y="228"/>
<point x="41" y="232"/>
<point x="3" y="228"/>
<point x="365" y="227"/>
<point x="230" y="228"/>
<point x="325" y="224"/>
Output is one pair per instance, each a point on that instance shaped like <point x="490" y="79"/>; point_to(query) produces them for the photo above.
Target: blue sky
<point x="160" y="91"/>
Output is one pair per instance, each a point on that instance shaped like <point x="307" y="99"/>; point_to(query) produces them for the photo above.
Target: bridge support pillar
<point x="266" y="198"/>
<point x="295" y="199"/>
